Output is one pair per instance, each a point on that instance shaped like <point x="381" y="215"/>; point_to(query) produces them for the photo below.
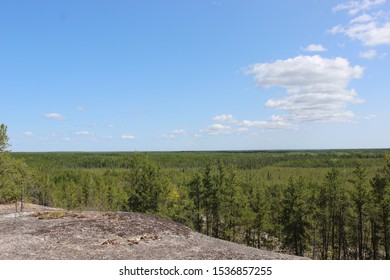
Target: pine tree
<point x="260" y="208"/>
<point x="294" y="216"/>
<point x="360" y="200"/>
<point x="378" y="211"/>
<point x="4" y="145"/>
<point x="144" y="184"/>
<point x="14" y="174"/>
<point x="331" y="206"/>
<point x="197" y="195"/>
<point x="207" y="201"/>
<point x="233" y="205"/>
<point x="217" y="193"/>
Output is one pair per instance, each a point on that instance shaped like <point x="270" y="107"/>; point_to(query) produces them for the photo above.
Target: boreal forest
<point x="322" y="204"/>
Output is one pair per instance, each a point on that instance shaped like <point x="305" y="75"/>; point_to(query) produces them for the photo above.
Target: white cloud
<point x="369" y="33"/>
<point x="354" y="7"/>
<point x="28" y="134"/>
<point x="368" y="54"/>
<point x="224" y="118"/>
<point x="315" y="48"/>
<point x="275" y="122"/>
<point x="217" y="129"/>
<point x="81" y="109"/>
<point x="362" y="18"/>
<point x="371" y="29"/>
<point x="305" y="73"/>
<point x="83" y="133"/>
<point x="54" y="116"/>
<point x="128" y="137"/>
<point x="316" y="87"/>
<point x="175" y="133"/>
<point x="240" y="127"/>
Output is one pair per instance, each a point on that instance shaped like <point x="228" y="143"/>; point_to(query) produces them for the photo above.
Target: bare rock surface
<point x="54" y="234"/>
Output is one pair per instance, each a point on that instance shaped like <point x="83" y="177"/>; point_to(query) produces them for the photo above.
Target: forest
<point x="322" y="204"/>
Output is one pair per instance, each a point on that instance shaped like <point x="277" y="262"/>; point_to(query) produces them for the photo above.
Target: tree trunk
<point x="360" y="233"/>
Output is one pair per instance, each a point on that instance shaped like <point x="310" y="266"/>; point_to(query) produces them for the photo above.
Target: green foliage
<point x="360" y="199"/>
<point x="294" y="216"/>
<point x="196" y="194"/>
<point x="15" y="174"/>
<point x="4" y="145"/>
<point x="144" y="185"/>
<point x="329" y="215"/>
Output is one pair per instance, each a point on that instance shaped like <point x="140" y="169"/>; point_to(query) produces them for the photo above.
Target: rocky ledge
<point x="55" y="234"/>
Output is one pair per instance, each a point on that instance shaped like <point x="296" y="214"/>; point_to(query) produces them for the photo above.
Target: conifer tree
<point x="233" y="205"/>
<point x="294" y="216"/>
<point x="4" y="145"/>
<point x="207" y="201"/>
<point x="197" y="195"/>
<point x="360" y="200"/>
<point x="144" y="184"/>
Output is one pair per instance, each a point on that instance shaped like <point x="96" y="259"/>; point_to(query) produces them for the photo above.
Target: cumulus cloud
<point x="54" y="116"/>
<point x="127" y="137"/>
<point x="316" y="87"/>
<point x="371" y="29"/>
<point x="315" y="48"/>
<point x="28" y="134"/>
<point x="354" y="7"/>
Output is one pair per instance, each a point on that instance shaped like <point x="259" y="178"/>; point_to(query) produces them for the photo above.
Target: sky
<point x="174" y="75"/>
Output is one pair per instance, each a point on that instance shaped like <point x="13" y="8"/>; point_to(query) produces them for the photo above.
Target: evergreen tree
<point x="260" y="209"/>
<point x="360" y="200"/>
<point x="207" y="201"/>
<point x="217" y="193"/>
<point x="196" y="193"/>
<point x="144" y="184"/>
<point x="378" y="211"/>
<point x="14" y="174"/>
<point x="4" y="145"/>
<point x="294" y="216"/>
<point x="233" y="205"/>
<point x="331" y="211"/>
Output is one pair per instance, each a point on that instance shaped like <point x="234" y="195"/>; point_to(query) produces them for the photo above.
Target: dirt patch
<point x="49" y="233"/>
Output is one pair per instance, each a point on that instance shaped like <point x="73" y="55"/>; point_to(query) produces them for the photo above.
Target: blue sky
<point x="194" y="75"/>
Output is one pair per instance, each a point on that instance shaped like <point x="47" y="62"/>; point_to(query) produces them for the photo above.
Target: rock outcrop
<point x="55" y="234"/>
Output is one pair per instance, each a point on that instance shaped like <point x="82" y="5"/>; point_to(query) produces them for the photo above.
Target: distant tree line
<point x="336" y="216"/>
